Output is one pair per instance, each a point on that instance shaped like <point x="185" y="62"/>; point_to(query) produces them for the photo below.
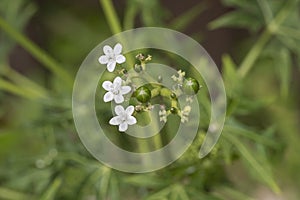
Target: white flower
<point x="112" y="57"/>
<point x="180" y="77"/>
<point x="184" y="114"/>
<point x="123" y="118"/>
<point x="189" y="99"/>
<point x="115" y="90"/>
<point x="163" y="115"/>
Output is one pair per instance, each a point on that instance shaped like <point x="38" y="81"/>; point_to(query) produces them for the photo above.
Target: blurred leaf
<point x="114" y="188"/>
<point x="232" y="81"/>
<point x="262" y="173"/>
<point x="144" y="180"/>
<point x="185" y="19"/>
<point x="160" y="195"/>
<point x="245" y="4"/>
<point x="12" y="88"/>
<point x="9" y="194"/>
<point x="52" y="190"/>
<point x="231" y="193"/>
<point x="17" y="14"/>
<point x="237" y="19"/>
<point x="284" y="65"/>
<point x="258" y="138"/>
<point x="266" y="10"/>
<point x="104" y="183"/>
<point x="130" y="14"/>
<point x="178" y="193"/>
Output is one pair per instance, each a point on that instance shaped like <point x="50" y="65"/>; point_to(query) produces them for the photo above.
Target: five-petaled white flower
<point x="115" y="90"/>
<point x="123" y="118"/>
<point x="112" y="57"/>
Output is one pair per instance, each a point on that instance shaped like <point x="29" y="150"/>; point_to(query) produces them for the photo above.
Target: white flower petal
<point x="108" y="96"/>
<point x="120" y="59"/>
<point x="118" y="49"/>
<point x="123" y="127"/>
<point x="130" y="110"/>
<point x="119" y="110"/>
<point x="119" y="98"/>
<point x="117" y="81"/>
<point x="115" y="120"/>
<point x="107" y="85"/>
<point x="103" y="59"/>
<point x="111" y="66"/>
<point x="131" y="120"/>
<point x="125" y="89"/>
<point x="107" y="50"/>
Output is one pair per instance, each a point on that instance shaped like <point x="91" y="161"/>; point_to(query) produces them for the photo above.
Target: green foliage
<point x="41" y="156"/>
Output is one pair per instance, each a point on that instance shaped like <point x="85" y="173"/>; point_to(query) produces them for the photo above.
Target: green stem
<point x="129" y="17"/>
<point x="6" y="193"/>
<point x="24" y="82"/>
<point x="111" y="16"/>
<point x="36" y="52"/>
<point x="12" y="88"/>
<point x="114" y="23"/>
<point x="253" y="54"/>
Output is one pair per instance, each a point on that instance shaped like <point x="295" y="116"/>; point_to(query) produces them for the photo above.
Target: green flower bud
<point x="173" y="110"/>
<point x="190" y="86"/>
<point x="173" y="95"/>
<point x="159" y="79"/>
<point x="138" y="68"/>
<point x="143" y="94"/>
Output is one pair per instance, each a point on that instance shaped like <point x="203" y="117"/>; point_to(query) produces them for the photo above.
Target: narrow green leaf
<point x="233" y="129"/>
<point x="52" y="190"/>
<point x="236" y="19"/>
<point x="12" y="88"/>
<point x="114" y="188"/>
<point x="9" y="194"/>
<point x="284" y="69"/>
<point x="231" y="193"/>
<point x="145" y="180"/>
<point x="247" y="155"/>
<point x="24" y="82"/>
<point x="38" y="53"/>
<point x="130" y="14"/>
<point x="266" y="10"/>
<point x="111" y="16"/>
<point x="104" y="183"/>
<point x="160" y="195"/>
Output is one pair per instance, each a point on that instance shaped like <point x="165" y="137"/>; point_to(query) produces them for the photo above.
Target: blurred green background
<point x="255" y="43"/>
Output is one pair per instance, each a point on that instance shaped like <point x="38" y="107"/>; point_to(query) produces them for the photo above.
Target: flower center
<point x="115" y="89"/>
<point x="123" y="117"/>
<point x="111" y="57"/>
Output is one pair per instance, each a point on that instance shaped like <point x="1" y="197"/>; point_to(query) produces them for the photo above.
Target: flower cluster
<point x="141" y="97"/>
<point x="116" y="90"/>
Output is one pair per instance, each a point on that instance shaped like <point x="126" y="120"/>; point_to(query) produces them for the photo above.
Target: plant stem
<point x="253" y="54"/>
<point x="114" y="23"/>
<point x="12" y="88"/>
<point x="36" y="52"/>
<point x="24" y="82"/>
<point x="111" y="16"/>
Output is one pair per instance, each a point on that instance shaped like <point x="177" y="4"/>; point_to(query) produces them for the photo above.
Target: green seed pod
<point x="173" y="110"/>
<point x="173" y="95"/>
<point x="138" y="68"/>
<point x="159" y="79"/>
<point x="143" y="94"/>
<point x="190" y="86"/>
